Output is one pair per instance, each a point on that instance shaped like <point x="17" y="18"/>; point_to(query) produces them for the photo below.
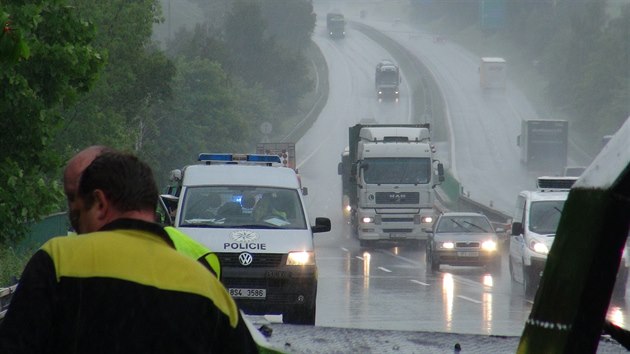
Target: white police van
<point x="534" y="225"/>
<point x="250" y="212"/>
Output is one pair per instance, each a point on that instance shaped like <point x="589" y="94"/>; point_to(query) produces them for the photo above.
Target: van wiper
<point x="258" y="226"/>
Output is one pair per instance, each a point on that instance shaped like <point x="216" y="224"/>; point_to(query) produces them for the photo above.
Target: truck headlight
<point x="538" y="247"/>
<point x="489" y="245"/>
<point x="301" y="258"/>
<point x="367" y="219"/>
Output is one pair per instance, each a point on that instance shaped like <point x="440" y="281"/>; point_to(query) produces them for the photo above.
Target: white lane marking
<point x="344" y="249"/>
<point x="418" y="282"/>
<point x="469" y="299"/>
<point x="361" y="258"/>
<point x="385" y="269"/>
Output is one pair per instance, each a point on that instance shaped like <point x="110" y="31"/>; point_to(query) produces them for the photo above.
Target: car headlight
<point x="448" y="245"/>
<point x="348" y="208"/>
<point x="367" y="219"/>
<point x="301" y="258"/>
<point x="538" y="247"/>
<point x="489" y="245"/>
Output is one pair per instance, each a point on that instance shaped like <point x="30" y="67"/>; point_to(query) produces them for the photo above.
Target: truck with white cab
<point x="387" y="80"/>
<point x="249" y="210"/>
<point x="391" y="182"/>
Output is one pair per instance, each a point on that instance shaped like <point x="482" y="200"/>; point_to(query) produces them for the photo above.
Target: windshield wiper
<point x="257" y="226"/>
<point x="476" y="226"/>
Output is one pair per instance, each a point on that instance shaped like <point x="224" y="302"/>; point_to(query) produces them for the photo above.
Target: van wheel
<point x="303" y="315"/>
<point x="529" y="284"/>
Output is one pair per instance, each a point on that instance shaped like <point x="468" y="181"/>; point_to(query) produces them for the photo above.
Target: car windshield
<point x="545" y="216"/>
<point x="397" y="170"/>
<point x="463" y="224"/>
<point x="241" y="207"/>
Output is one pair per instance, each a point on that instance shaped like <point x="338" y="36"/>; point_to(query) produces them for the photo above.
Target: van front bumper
<point x="284" y="288"/>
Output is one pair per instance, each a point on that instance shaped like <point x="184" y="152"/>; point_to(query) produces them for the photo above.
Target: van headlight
<point x="538" y="247"/>
<point x="301" y="258"/>
<point x="489" y="245"/>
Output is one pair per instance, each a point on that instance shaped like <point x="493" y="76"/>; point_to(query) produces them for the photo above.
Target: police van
<point x="250" y="211"/>
<point x="534" y="225"/>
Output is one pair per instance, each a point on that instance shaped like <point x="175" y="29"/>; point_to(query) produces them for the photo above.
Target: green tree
<point x="203" y="117"/>
<point x="136" y="78"/>
<point x="46" y="62"/>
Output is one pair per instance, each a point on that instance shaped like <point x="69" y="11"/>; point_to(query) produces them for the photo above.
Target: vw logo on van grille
<point x="245" y="258"/>
<point x="244" y="236"/>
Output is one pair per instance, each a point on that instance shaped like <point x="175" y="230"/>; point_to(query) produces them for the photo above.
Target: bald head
<point x="75" y="167"/>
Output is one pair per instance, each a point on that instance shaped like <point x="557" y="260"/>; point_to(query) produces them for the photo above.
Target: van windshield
<point x="242" y="207"/>
<point x="545" y="216"/>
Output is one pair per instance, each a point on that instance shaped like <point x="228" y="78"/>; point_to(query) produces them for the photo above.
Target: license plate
<point x="240" y="293"/>
<point x="398" y="236"/>
<point x="468" y="254"/>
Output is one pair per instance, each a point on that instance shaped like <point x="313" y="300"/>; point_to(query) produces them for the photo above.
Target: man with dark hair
<point x="119" y="287"/>
<point x="184" y="244"/>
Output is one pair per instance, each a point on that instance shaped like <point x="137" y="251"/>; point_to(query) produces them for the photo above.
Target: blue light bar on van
<point x="253" y="158"/>
<point x="263" y="158"/>
<point x="214" y="157"/>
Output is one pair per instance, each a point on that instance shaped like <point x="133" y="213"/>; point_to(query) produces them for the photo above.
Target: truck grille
<point x="397" y="219"/>
<point x="260" y="260"/>
<point x="398" y="231"/>
<point x="397" y="198"/>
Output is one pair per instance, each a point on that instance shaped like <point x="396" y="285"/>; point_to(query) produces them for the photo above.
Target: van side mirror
<point x="304" y="191"/>
<point x="517" y="228"/>
<point x="321" y="225"/>
<point x="340" y="168"/>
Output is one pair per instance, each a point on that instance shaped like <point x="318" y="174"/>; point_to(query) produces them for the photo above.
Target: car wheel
<point x="303" y="315"/>
<point x="494" y="266"/>
<point x="432" y="262"/>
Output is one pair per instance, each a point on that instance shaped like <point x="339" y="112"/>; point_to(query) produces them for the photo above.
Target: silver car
<point x="463" y="239"/>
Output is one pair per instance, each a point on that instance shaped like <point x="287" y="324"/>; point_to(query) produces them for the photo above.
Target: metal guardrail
<point x="5" y="298"/>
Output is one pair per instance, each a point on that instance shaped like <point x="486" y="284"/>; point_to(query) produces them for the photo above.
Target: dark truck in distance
<point x="544" y="145"/>
<point x="336" y="25"/>
<point x="386" y="80"/>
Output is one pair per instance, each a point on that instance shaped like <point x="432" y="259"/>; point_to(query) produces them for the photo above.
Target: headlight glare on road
<point x="489" y="245"/>
<point x="301" y="258"/>
<point x="448" y="245"/>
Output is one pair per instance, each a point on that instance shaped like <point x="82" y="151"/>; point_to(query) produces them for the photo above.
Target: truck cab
<point x="249" y="210"/>
<point x="392" y="176"/>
